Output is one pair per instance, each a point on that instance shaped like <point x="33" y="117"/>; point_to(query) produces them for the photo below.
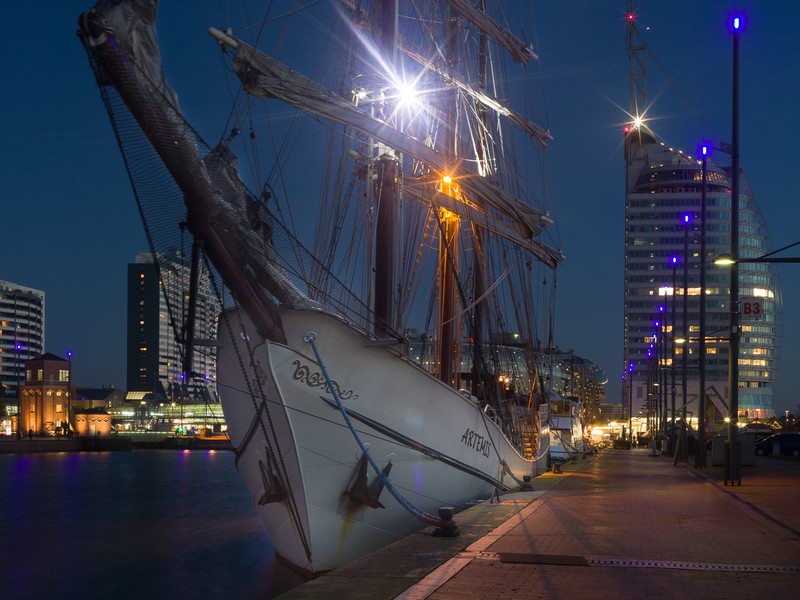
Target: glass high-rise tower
<point x="21" y="339"/>
<point x="662" y="283"/>
<point x="158" y="299"/>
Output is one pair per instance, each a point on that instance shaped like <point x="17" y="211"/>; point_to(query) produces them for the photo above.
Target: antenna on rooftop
<point x="637" y="59"/>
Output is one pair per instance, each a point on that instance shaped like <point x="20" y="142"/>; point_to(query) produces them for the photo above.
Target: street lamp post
<point x="665" y="378"/>
<point x="69" y="393"/>
<point x="700" y="448"/>
<point x="732" y="457"/>
<point x="672" y="358"/>
<point x="684" y="365"/>
<point x="655" y="399"/>
<point x="18" y="348"/>
<point x="630" y="402"/>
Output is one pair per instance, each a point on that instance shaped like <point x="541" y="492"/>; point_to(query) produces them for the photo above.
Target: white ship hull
<point x="444" y="452"/>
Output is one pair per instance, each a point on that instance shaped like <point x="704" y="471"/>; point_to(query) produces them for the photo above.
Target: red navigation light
<point x="630" y="16"/>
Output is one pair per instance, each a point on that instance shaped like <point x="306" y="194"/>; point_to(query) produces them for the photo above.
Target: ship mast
<point x="386" y="177"/>
<point x="478" y="247"/>
<point x="449" y="230"/>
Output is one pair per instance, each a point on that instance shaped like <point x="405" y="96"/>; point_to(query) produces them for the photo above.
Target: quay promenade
<point x="623" y="524"/>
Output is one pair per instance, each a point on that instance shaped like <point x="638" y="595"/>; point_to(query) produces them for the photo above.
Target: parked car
<point x="760" y="429"/>
<point x="789" y="443"/>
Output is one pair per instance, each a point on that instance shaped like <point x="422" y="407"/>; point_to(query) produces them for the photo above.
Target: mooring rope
<point x="310" y="338"/>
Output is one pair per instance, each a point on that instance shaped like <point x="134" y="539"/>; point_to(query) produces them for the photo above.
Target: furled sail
<point x="519" y="50"/>
<point x="425" y="193"/>
<point x="263" y="76"/>
<point x="221" y="213"/>
<point x="540" y="133"/>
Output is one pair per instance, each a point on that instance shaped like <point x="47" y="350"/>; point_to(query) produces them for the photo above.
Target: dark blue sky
<point x="71" y="226"/>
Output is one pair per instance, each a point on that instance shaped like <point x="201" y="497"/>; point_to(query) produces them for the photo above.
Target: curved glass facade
<point x="662" y="278"/>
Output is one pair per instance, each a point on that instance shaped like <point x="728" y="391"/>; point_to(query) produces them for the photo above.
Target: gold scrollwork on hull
<point x="315" y="379"/>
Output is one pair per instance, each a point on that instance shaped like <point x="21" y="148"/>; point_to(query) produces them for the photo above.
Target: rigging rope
<point x="310" y="338"/>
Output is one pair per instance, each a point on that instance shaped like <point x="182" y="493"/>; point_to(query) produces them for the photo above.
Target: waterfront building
<point x="92" y="422"/>
<point x="102" y="397"/>
<point x="45" y="407"/>
<point x="574" y="376"/>
<point x="21" y="339"/>
<point x="662" y="217"/>
<point x="158" y="294"/>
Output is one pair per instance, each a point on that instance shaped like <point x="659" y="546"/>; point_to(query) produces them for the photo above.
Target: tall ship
<point x="383" y="376"/>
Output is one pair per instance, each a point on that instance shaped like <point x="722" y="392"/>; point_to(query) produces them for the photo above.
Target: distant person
<point x="30" y="433"/>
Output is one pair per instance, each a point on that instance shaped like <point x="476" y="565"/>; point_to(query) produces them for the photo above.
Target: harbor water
<point x="140" y="524"/>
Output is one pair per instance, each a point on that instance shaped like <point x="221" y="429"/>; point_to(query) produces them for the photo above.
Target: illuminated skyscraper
<point x="156" y="321"/>
<point x="21" y="337"/>
<point x="662" y="217"/>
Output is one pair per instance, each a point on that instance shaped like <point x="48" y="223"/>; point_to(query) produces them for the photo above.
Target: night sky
<point x="71" y="224"/>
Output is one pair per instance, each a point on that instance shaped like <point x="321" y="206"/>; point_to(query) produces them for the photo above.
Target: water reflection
<point x="145" y="524"/>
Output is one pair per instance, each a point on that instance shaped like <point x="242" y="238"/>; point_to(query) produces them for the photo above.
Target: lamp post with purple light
<point x="732" y="457"/>
<point x="652" y="385"/>
<point x="671" y="447"/>
<point x="662" y="309"/>
<point x="18" y="348"/>
<point x="684" y="454"/>
<point x="630" y="402"/>
<point x="69" y="393"/>
<point x="700" y="448"/>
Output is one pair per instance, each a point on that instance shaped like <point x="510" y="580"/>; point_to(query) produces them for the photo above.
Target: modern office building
<point x="158" y="305"/>
<point x="21" y="339"/>
<point x="662" y="283"/>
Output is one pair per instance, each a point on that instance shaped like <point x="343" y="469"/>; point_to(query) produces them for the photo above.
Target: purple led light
<point x="736" y="22"/>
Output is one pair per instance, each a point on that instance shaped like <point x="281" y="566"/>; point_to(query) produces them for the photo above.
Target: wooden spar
<point x="477" y="233"/>
<point x="449" y="231"/>
<point x="386" y="195"/>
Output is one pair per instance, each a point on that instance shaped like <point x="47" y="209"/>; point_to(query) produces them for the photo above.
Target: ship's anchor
<point x="358" y="490"/>
<point x="444" y="522"/>
<point x="273" y="490"/>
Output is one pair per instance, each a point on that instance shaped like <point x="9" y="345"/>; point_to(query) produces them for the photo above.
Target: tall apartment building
<point x="21" y="337"/>
<point x="662" y="217"/>
<point x="158" y="303"/>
